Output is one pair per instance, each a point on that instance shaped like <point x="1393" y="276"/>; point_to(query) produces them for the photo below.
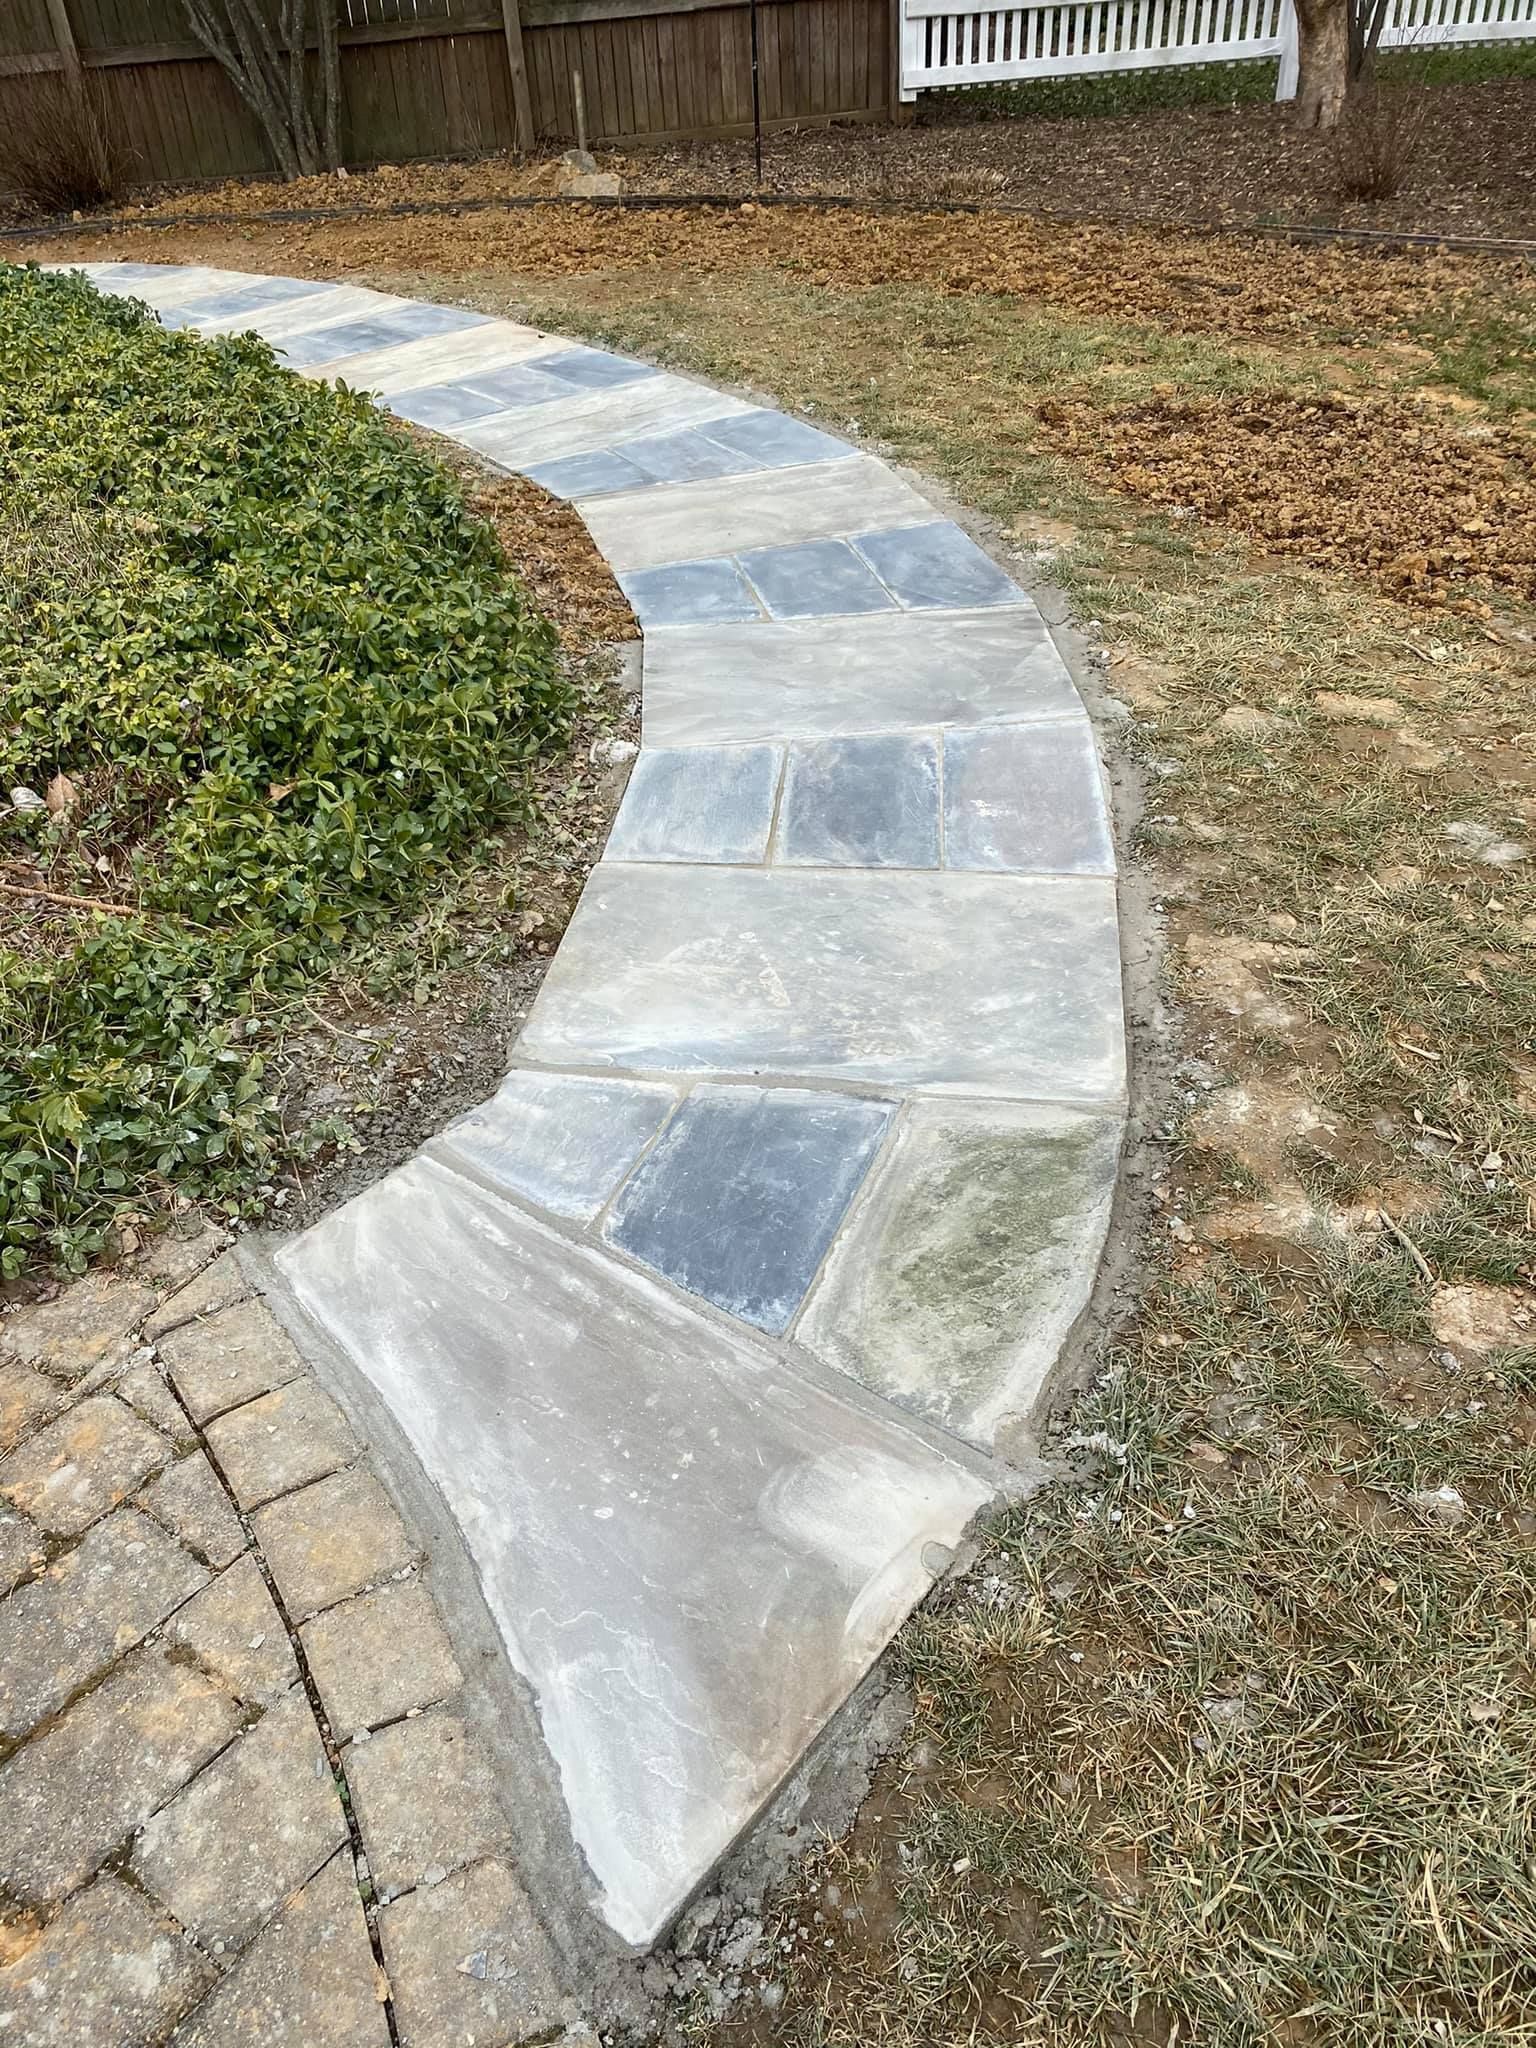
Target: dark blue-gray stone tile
<point x="773" y="441"/>
<point x="710" y="804"/>
<point x="815" y="578"/>
<point x="742" y="1194"/>
<point x="564" y="1141"/>
<point x="251" y="298"/>
<point x="680" y="457"/>
<point x="861" y="803"/>
<point x="586" y="476"/>
<point x="383" y="330"/>
<point x="1028" y="799"/>
<point x="440" y="405"/>
<point x="519" y="384"/>
<point x="593" y="369"/>
<point x="689" y="594"/>
<point x="936" y="565"/>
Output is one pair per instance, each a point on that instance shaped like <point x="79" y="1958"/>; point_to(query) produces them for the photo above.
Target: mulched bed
<point x="1399" y="491"/>
<point x="1473" y="170"/>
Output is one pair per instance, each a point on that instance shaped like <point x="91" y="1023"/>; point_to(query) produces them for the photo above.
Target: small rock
<point x="608" y="753"/>
<point x="1442" y="1504"/>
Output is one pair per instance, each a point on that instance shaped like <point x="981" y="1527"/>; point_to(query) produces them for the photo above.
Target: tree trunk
<point x="330" y="84"/>
<point x="1322" y="34"/>
<point x="235" y="39"/>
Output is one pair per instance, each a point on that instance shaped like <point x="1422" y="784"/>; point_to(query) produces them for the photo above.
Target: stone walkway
<point x="686" y="1360"/>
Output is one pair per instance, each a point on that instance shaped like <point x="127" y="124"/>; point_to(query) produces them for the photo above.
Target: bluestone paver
<point x="814" y="579"/>
<point x="734" y="970"/>
<point x="739" y="1198"/>
<point x="591" y="421"/>
<point x="936" y="565"/>
<point x="698" y="803"/>
<point x="584" y="476"/>
<point x="564" y="1141"/>
<point x="970" y="1259"/>
<point x="1027" y="799"/>
<point x="771" y="440"/>
<point x="699" y="1507"/>
<point x="679" y="457"/>
<point x="685" y="522"/>
<point x="880" y="673"/>
<point x="690" y="594"/>
<point x="867" y="802"/>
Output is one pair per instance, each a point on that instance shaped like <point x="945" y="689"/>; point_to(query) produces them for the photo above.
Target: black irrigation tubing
<point x="1386" y="240"/>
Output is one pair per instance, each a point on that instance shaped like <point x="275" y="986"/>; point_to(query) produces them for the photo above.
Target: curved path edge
<point x="713" y="1330"/>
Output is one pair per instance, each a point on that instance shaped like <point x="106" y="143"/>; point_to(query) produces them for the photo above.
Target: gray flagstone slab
<point x="564" y="1141"/>
<point x="866" y="802"/>
<point x="994" y="984"/>
<point x="342" y="302"/>
<point x="739" y="1198"/>
<point x="709" y="684"/>
<point x="448" y="358"/>
<point x="684" y="522"/>
<point x="698" y="804"/>
<point x="969" y="1260"/>
<point x="692" y="1552"/>
<point x="597" y="420"/>
<point x="1028" y="798"/>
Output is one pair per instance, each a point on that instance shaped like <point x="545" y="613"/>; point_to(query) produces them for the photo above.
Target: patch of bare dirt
<point x="1393" y="488"/>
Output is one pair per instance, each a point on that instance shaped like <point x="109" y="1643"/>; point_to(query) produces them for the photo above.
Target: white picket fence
<point x="942" y="48"/>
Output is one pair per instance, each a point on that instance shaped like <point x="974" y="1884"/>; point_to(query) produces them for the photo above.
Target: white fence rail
<point x="940" y="47"/>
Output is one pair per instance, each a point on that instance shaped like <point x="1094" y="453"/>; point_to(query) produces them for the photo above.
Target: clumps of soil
<point x="1398" y="490"/>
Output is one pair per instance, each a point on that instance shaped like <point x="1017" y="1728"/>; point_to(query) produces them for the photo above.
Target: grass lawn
<point x="266" y="683"/>
<point x="1230" y="1735"/>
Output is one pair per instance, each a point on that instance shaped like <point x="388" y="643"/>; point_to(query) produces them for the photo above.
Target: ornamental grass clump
<point x="262" y="679"/>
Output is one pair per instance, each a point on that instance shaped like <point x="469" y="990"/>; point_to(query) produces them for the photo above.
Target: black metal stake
<point x="757" y="105"/>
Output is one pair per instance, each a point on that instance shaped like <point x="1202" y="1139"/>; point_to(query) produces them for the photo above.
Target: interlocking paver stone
<point x="27" y="1397"/>
<point x="107" y="1971"/>
<point x="145" y="1388"/>
<point x="868" y="802"/>
<point x="281" y="1442"/>
<point x="251" y="1828"/>
<point x="699" y="1506"/>
<point x="330" y="1540"/>
<point x="229" y="1358"/>
<point x="376" y="1657"/>
<point x="234" y="1631"/>
<point x="971" y="1257"/>
<point x="189" y="1500"/>
<point x="697" y="803"/>
<point x="307" y="1981"/>
<point x="92" y="1604"/>
<point x="80" y="1328"/>
<point x="878" y="673"/>
<point x="563" y="1140"/>
<point x="468" y="1961"/>
<point x="1026" y="798"/>
<point x="990" y="984"/>
<point x="218" y="1286"/>
<point x="71" y="1794"/>
<point x="424" y="1793"/>
<point x="739" y="1197"/>
<point x="23" y="1547"/>
<point x="80" y="1465"/>
<point x="936" y="564"/>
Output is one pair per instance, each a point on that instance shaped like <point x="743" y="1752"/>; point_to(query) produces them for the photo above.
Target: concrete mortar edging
<point x="692" y="1354"/>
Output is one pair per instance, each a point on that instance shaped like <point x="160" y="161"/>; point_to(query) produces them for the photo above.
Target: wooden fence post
<point x="64" y="36"/>
<point x="517" y="71"/>
<point x="901" y="111"/>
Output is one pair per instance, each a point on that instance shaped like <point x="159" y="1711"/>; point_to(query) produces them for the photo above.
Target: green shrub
<point x="288" y="681"/>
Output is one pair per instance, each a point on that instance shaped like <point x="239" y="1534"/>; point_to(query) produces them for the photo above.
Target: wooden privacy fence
<point x="424" y="78"/>
<point x="942" y="47"/>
